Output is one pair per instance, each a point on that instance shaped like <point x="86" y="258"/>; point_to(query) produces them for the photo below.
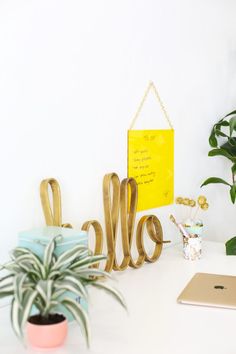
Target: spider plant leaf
<point x="7" y="287"/>
<point x="85" y="253"/>
<point x="52" y="305"/>
<point x="27" y="303"/>
<point x="12" y="267"/>
<point x="18" y="287"/>
<point x="48" y="253"/>
<point x="4" y="293"/>
<point x="6" y="277"/>
<point x="49" y="287"/>
<point x="54" y="274"/>
<point x="16" y="318"/>
<point x="27" y="268"/>
<point x="68" y="256"/>
<point x="31" y="256"/>
<point x="69" y="286"/>
<point x="33" y="274"/>
<point x="45" y="290"/>
<point x="41" y="288"/>
<point x="87" y="273"/>
<point x="17" y="252"/>
<point x="77" y="282"/>
<point x="28" y="284"/>
<point x="79" y="315"/>
<point x="88" y="261"/>
<point x="34" y="260"/>
<point x="39" y="304"/>
<point x="58" y="293"/>
<point x="111" y="291"/>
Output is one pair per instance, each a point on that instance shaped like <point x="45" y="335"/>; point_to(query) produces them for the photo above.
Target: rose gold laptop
<point x="210" y="290"/>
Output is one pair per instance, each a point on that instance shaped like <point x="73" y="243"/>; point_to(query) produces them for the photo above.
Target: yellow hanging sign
<point x="151" y="162"/>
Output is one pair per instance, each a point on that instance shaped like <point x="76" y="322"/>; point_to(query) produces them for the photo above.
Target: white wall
<point x="71" y="76"/>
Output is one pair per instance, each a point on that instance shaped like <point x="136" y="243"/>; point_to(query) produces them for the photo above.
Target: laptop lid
<point x="210" y="290"/>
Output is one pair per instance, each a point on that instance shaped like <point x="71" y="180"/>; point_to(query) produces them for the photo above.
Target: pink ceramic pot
<point x="47" y="336"/>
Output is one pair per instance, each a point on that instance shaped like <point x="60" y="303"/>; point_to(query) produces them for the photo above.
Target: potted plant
<point x="44" y="284"/>
<point x="223" y="141"/>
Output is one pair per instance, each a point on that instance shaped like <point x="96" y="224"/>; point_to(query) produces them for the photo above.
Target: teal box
<point x="37" y="239"/>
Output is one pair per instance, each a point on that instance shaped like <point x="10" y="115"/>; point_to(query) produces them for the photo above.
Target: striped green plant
<point x="44" y="284"/>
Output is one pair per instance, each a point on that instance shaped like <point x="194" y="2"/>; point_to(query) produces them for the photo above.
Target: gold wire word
<point x="117" y="205"/>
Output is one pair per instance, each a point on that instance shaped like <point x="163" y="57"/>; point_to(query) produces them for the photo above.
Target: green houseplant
<point x="223" y="141"/>
<point x="44" y="285"/>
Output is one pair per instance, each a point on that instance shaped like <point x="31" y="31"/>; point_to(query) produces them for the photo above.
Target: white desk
<point x="156" y="323"/>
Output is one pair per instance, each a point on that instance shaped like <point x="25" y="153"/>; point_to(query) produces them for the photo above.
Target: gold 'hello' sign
<point x="117" y="206"/>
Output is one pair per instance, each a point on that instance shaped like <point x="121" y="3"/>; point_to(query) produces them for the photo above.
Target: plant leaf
<point x="68" y="256"/>
<point x="229" y="114"/>
<point x="111" y="291"/>
<point x="73" y="278"/>
<point x="224" y="123"/>
<point x="213" y="140"/>
<point x="48" y="285"/>
<point x="232" y="125"/>
<point x="27" y="303"/>
<point x="7" y="287"/>
<point x="18" y="251"/>
<point x="16" y="318"/>
<point x="88" y="261"/>
<point x="34" y="260"/>
<point x="233" y="193"/>
<point x="58" y="293"/>
<point x="68" y="286"/>
<point x="220" y="133"/>
<point x="88" y="272"/>
<point x="233" y="169"/>
<point x="12" y="267"/>
<point x="18" y="287"/>
<point x="48" y="253"/>
<point x="41" y="288"/>
<point x="7" y="277"/>
<point x="79" y="315"/>
<point x="54" y="274"/>
<point x="52" y="305"/>
<point x="231" y="246"/>
<point x="6" y="293"/>
<point x="221" y="152"/>
<point x="27" y="268"/>
<point x="215" y="180"/>
<point x="39" y="304"/>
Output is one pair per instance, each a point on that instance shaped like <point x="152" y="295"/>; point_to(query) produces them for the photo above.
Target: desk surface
<point x="156" y="323"/>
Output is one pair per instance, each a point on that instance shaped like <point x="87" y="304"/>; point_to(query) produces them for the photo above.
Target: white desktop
<point x="156" y="323"/>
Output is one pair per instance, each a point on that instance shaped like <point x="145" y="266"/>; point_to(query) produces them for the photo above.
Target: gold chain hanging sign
<point x="151" y="160"/>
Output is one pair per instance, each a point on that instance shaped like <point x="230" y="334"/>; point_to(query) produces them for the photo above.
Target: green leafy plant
<point x="45" y="283"/>
<point x="223" y="141"/>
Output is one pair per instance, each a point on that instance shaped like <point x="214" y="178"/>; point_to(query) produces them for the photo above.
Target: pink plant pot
<point x="46" y="336"/>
